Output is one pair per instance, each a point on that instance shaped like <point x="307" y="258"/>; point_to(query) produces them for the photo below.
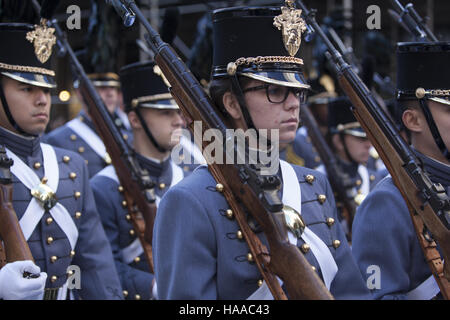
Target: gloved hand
<point x="13" y="285"/>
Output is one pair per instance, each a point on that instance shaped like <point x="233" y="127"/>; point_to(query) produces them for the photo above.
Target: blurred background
<point x="103" y="43"/>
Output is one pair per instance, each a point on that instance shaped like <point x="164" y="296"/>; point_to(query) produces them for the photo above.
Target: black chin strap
<point x="347" y="152"/>
<point x="236" y="87"/>
<point x="9" y="115"/>
<point x="148" y="133"/>
<point x="433" y="128"/>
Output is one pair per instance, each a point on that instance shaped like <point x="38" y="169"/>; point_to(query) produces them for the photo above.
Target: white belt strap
<point x="365" y="185"/>
<point x="292" y="198"/>
<point x="425" y="291"/>
<point x="34" y="212"/>
<point x="89" y="136"/>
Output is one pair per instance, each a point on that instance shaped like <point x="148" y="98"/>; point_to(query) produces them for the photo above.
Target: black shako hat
<point x="144" y="85"/>
<point x="423" y="71"/>
<point x="25" y="53"/>
<point x="261" y="43"/>
<point x="341" y="118"/>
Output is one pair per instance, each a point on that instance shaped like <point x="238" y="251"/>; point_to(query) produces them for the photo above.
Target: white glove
<point x="13" y="285"/>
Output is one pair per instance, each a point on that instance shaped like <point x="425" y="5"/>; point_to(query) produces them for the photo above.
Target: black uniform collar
<point x="351" y="168"/>
<point x="438" y="171"/>
<point x="155" y="168"/>
<point x="22" y="146"/>
<point x="86" y="119"/>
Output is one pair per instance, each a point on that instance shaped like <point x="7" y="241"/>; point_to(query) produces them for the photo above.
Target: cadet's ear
<point x="232" y="105"/>
<point x="337" y="143"/>
<point x="134" y="120"/>
<point x="414" y="120"/>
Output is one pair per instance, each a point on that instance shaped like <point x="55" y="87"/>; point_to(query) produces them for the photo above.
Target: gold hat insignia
<point x="292" y="26"/>
<point x="43" y="39"/>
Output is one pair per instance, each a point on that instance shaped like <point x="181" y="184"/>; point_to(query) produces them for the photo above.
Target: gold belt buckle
<point x="44" y="194"/>
<point x="294" y="221"/>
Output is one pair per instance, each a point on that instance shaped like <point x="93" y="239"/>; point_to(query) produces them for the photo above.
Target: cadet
<point x="156" y="122"/>
<point x="383" y="232"/>
<point x="198" y="253"/>
<point x="351" y="147"/>
<point x="64" y="232"/>
<point x="79" y="134"/>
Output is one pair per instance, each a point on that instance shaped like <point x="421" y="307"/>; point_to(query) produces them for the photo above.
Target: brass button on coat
<point x="37" y="165"/>
<point x="322" y="198"/>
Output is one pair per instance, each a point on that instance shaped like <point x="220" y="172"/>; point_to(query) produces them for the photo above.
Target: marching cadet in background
<point x="79" y="134"/>
<point x="156" y="123"/>
<point x="383" y="233"/>
<point x="352" y="149"/>
<point x="52" y="197"/>
<point x="199" y="251"/>
<point x="302" y="151"/>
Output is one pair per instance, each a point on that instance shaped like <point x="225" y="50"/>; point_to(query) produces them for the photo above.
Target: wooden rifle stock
<point x="15" y="245"/>
<point x="284" y="259"/>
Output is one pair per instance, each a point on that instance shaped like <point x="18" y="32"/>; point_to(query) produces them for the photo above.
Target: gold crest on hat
<point x="43" y="39"/>
<point x="292" y="26"/>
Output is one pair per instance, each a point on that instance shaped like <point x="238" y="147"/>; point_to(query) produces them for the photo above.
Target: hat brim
<point x="160" y="104"/>
<point x="441" y="100"/>
<point x="34" y="79"/>
<point x="287" y="79"/>
<point x="356" y="132"/>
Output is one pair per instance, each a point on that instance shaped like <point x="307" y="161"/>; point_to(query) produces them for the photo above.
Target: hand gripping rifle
<point x="136" y="184"/>
<point x="243" y="187"/>
<point x="15" y="246"/>
<point x="427" y="201"/>
<point x="410" y="20"/>
<point x="340" y="181"/>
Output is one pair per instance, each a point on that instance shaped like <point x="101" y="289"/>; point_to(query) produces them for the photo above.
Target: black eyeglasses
<point x="279" y="94"/>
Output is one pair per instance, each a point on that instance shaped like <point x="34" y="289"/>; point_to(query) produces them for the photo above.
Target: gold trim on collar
<point x="13" y="67"/>
<point x="163" y="96"/>
<point x="43" y="40"/>
<point x="292" y="26"/>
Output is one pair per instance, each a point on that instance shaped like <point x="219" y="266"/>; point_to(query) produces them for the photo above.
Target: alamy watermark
<point x="374" y="20"/>
<point x="234" y="146"/>
<point x="73" y="22"/>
